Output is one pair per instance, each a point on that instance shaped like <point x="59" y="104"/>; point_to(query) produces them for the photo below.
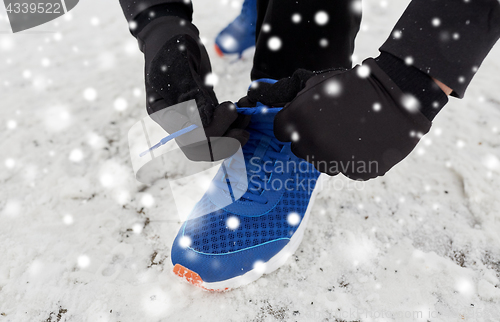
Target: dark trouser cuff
<point x="414" y="82"/>
<point x="304" y="43"/>
<point x="447" y="39"/>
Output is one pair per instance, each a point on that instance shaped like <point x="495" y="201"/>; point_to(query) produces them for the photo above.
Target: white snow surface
<point x="81" y="240"/>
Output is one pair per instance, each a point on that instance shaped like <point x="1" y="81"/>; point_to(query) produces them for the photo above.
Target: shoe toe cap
<point x="220" y="267"/>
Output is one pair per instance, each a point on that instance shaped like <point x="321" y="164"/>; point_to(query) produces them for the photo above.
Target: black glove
<point x="176" y="68"/>
<point x="356" y="122"/>
<point x="279" y="93"/>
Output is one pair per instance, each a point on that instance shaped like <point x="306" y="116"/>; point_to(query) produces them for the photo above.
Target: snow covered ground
<point x="81" y="240"/>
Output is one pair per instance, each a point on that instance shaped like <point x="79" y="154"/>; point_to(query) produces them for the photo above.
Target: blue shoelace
<point x="169" y="138"/>
<point x="256" y="179"/>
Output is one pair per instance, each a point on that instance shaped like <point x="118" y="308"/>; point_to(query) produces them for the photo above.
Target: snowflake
<point x="233" y="223"/>
<point x="11" y="124"/>
<point x="293" y="219"/>
<point x="94" y="21"/>
<point x="321" y="18"/>
<point x="363" y="71"/>
<point x="410" y="102"/>
<point x="211" y="79"/>
<point x="90" y="94"/>
<point x="120" y="104"/>
<point x="83" y="261"/>
<point x="274" y="43"/>
<point x="259" y="267"/>
<point x="185" y="241"/>
<point x="333" y="88"/>
<point x="137" y="228"/>
<point x="76" y="155"/>
<point x="68" y="219"/>
<point x="296" y="18"/>
<point x="147" y="200"/>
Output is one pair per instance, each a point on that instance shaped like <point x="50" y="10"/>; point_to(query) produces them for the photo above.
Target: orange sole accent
<point x="192" y="277"/>
<point x="219" y="51"/>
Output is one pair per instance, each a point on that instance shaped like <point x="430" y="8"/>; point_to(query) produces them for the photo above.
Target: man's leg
<point x="312" y="34"/>
<point x="140" y="13"/>
<point x="176" y="67"/>
<point x="448" y="40"/>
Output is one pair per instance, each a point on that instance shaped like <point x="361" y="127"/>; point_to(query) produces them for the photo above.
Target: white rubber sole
<point x="266" y="268"/>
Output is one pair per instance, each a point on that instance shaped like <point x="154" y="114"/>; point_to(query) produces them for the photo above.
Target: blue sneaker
<point x="221" y="249"/>
<point x="239" y="35"/>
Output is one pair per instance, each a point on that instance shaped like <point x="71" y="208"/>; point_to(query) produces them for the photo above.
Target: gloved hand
<point x="176" y="67"/>
<point x="277" y="94"/>
<point x="356" y="122"/>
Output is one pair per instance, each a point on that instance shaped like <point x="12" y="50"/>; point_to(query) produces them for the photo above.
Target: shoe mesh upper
<point x="208" y="229"/>
<point x="209" y="234"/>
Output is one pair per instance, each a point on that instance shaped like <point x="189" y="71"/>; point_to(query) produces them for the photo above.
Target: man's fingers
<point x="283" y="126"/>
<point x="216" y="148"/>
<point x="281" y="92"/>
<point x="241" y="122"/>
<point x="224" y="115"/>
<point x="259" y="92"/>
<point x="239" y="134"/>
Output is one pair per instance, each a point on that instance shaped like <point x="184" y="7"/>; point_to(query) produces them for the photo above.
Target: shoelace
<point x="257" y="180"/>
<point x="169" y="138"/>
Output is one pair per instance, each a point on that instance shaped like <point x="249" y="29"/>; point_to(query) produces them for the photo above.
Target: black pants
<point x="309" y="34"/>
<point x="448" y="39"/>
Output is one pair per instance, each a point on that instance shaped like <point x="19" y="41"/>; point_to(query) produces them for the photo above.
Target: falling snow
<point x="274" y="43"/>
<point x="377" y="107"/>
<point x="90" y="94"/>
<point x="363" y="71"/>
<point x="83" y="261"/>
<point x="410" y="102"/>
<point x="333" y="88"/>
<point x="68" y="219"/>
<point x="233" y="223"/>
<point x="211" y="79"/>
<point x="76" y="155"/>
<point x="296" y="18"/>
<point x="321" y="18"/>
<point x="120" y="104"/>
<point x="83" y="239"/>
<point x="293" y="219"/>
